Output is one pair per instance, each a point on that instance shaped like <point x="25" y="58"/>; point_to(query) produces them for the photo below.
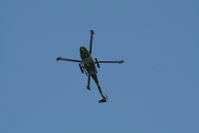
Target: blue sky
<point x="154" y="91"/>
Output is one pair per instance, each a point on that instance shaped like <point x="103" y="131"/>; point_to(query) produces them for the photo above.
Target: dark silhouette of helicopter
<point x="87" y="65"/>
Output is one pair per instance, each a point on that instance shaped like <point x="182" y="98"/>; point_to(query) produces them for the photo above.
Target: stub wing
<point x="66" y="59"/>
<point x="121" y="61"/>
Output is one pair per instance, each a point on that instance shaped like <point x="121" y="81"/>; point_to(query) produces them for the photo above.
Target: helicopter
<point x="88" y="65"/>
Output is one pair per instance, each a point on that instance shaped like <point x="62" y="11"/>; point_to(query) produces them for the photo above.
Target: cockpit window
<point x="84" y="52"/>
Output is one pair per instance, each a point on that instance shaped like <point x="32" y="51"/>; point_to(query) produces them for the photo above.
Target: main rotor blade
<point x="91" y="41"/>
<point x="121" y="61"/>
<point x="65" y="59"/>
<point x="88" y="82"/>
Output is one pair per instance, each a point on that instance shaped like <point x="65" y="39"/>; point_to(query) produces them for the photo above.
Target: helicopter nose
<point x="81" y="48"/>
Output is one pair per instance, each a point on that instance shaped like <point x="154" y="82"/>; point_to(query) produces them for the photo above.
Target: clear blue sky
<point x="155" y="91"/>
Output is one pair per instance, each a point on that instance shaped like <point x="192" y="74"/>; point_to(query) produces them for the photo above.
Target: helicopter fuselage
<point x="87" y="61"/>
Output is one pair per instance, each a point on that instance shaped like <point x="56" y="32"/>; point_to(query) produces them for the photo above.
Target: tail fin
<point x="103" y="100"/>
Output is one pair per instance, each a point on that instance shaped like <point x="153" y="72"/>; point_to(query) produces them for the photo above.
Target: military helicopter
<point x="87" y="65"/>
